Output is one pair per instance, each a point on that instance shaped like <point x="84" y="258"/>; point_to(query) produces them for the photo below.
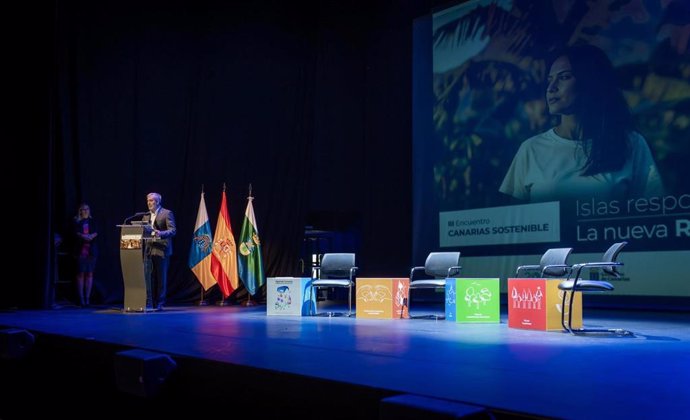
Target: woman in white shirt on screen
<point x="593" y="151"/>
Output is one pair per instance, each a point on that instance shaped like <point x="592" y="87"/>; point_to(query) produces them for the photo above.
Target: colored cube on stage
<point x="382" y="298"/>
<point x="473" y="300"/>
<point x="289" y="296"/>
<point x="535" y="304"/>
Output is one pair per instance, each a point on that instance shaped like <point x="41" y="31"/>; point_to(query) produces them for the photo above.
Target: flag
<point x="224" y="258"/>
<point x="202" y="245"/>
<point x="251" y="267"/>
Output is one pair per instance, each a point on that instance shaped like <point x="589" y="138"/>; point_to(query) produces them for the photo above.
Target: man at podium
<point x="157" y="251"/>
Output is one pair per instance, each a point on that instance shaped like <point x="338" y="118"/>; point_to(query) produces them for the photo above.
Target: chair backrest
<point x="438" y="263"/>
<point x="555" y="257"/>
<point x="611" y="255"/>
<point x="336" y="265"/>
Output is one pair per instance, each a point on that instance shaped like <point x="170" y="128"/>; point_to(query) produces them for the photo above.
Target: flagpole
<point x="249" y="301"/>
<point x="218" y="246"/>
<point x="202" y="300"/>
<point x="222" y="301"/>
<point x="200" y="252"/>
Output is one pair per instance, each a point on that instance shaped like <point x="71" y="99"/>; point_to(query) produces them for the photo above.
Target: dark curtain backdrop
<point x="309" y="102"/>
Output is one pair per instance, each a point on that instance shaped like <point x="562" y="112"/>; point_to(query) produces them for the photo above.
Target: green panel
<point x="477" y="300"/>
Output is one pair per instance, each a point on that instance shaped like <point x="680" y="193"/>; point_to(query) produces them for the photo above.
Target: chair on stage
<point x="336" y="270"/>
<point x="438" y="267"/>
<point x="574" y="283"/>
<point x="554" y="263"/>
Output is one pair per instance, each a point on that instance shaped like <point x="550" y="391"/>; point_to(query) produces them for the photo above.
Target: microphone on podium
<point x="141" y="213"/>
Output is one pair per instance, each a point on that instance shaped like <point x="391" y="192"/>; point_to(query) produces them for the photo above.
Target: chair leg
<point x="409" y="299"/>
<point x="349" y="301"/>
<point x="570" y="311"/>
<point x="316" y="301"/>
<point x="566" y="328"/>
<point x="617" y="331"/>
<point x="430" y="316"/>
<point x="330" y="313"/>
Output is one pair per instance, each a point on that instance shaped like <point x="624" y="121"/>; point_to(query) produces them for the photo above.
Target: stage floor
<point x="532" y="373"/>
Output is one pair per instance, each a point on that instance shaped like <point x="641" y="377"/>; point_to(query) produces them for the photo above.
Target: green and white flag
<point x="251" y="267"/>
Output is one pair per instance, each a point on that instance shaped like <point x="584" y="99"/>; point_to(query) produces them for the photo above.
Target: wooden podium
<point x="132" y="239"/>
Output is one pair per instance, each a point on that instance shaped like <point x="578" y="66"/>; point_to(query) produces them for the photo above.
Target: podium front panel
<point x="132" y="264"/>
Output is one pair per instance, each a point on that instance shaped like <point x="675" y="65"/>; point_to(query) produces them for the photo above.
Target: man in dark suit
<point x="157" y="250"/>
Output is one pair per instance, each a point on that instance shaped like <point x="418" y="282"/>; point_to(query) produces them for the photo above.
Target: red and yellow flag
<point x="224" y="258"/>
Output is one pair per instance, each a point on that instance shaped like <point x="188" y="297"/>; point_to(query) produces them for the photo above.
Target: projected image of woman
<point x="593" y="150"/>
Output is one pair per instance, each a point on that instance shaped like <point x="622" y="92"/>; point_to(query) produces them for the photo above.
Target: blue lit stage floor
<point x="515" y="372"/>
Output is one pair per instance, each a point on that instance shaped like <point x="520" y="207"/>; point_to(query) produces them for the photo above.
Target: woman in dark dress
<point x="86" y="252"/>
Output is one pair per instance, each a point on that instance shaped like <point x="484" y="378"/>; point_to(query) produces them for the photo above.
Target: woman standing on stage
<point x="86" y="253"/>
